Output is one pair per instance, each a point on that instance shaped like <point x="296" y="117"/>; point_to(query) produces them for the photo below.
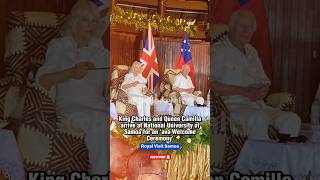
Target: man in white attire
<point x="241" y="81"/>
<point x="135" y="86"/>
<point x="79" y="89"/>
<point x="182" y="83"/>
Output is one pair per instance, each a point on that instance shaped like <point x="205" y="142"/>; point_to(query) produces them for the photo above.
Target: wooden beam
<point x="112" y="5"/>
<point x="161" y="10"/>
<point x="201" y="35"/>
<point x="171" y="4"/>
<point x="162" y="7"/>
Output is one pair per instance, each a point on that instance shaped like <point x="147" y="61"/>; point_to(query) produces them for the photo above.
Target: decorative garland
<point x="187" y="142"/>
<point x="160" y="24"/>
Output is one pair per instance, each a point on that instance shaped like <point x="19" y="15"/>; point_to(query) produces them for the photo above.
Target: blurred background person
<point x="241" y="81"/>
<point x="71" y="74"/>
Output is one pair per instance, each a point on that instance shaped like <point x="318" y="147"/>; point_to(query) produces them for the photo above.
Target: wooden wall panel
<point x="3" y="30"/>
<point x="315" y="62"/>
<point x="125" y="48"/>
<point x="295" y="36"/>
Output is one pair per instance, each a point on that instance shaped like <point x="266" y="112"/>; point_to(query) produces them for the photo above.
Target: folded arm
<point x="129" y="85"/>
<point x="253" y="93"/>
<point x="228" y="90"/>
<point x="187" y="90"/>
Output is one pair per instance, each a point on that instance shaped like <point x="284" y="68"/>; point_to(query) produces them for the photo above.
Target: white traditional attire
<point x="230" y="66"/>
<point x="135" y="94"/>
<point x="185" y="82"/>
<point x="82" y="102"/>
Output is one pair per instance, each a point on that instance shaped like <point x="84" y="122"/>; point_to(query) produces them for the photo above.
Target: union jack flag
<point x="149" y="61"/>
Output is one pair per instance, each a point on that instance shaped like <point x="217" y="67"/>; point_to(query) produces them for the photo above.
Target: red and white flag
<point x="185" y="57"/>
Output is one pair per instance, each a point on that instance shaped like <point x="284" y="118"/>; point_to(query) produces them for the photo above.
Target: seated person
<point x="135" y="86"/>
<point x="182" y="83"/>
<point x="67" y="73"/>
<point x="241" y="81"/>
